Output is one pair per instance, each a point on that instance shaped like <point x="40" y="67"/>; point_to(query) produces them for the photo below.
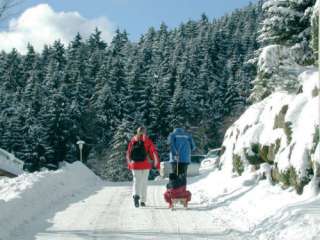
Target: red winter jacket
<point x="151" y="150"/>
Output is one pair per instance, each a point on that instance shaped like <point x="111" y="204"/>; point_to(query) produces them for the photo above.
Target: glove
<point x="129" y="163"/>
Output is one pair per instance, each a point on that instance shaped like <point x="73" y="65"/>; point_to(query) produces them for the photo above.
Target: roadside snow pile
<point x="9" y="163"/>
<point x="282" y="131"/>
<point x="28" y="196"/>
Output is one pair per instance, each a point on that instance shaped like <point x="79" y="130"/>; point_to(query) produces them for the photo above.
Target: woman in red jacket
<point x="139" y="150"/>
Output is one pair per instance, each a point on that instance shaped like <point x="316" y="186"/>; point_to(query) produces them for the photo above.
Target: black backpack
<point x="138" y="152"/>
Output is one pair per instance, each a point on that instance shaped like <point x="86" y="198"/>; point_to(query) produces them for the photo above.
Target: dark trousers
<point x="182" y="169"/>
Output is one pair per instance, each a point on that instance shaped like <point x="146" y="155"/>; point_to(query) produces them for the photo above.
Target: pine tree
<point x="12" y="73"/>
<point x="13" y="137"/>
<point x="44" y="59"/>
<point x="160" y="102"/>
<point x="117" y="76"/>
<point x="96" y="48"/>
<point x="136" y="98"/>
<point x="95" y="42"/>
<point x="285" y="21"/>
<point x="178" y="109"/>
<point x="105" y="109"/>
<point x="57" y="55"/>
<point x="75" y="68"/>
<point x="32" y="98"/>
<point x="55" y="68"/>
<point x="116" y="167"/>
<point x="28" y="62"/>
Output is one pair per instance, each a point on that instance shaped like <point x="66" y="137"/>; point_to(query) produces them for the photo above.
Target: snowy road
<point x="109" y="214"/>
<point x="73" y="204"/>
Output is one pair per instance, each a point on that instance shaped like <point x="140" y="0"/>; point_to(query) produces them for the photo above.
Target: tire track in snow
<point x="286" y="216"/>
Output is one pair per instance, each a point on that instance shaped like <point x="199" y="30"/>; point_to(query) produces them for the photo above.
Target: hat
<point x="141" y="131"/>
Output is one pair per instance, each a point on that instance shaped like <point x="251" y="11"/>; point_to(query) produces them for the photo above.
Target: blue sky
<point x="136" y="16"/>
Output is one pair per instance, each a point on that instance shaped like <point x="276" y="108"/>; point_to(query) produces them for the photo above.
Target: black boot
<point x="142" y="204"/>
<point x="136" y="200"/>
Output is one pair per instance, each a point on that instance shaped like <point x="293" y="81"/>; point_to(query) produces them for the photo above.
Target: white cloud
<point x="41" y="25"/>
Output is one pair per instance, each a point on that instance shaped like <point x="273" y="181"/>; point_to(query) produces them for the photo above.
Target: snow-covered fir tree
<point x="285" y="37"/>
<point x="116" y="166"/>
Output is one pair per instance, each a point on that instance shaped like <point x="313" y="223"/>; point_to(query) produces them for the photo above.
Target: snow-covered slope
<point x="274" y="141"/>
<point x="29" y="196"/>
<point x="281" y="131"/>
<point x="253" y="209"/>
<point x="9" y="163"/>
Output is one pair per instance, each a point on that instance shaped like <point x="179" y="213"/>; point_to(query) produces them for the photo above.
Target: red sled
<point x="177" y="195"/>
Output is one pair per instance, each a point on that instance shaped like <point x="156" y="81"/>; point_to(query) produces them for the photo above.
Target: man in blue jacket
<point x="181" y="146"/>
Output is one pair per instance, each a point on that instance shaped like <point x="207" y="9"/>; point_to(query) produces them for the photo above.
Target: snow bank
<point x="282" y="130"/>
<point x="256" y="209"/>
<point x="28" y="196"/>
<point x="9" y="163"/>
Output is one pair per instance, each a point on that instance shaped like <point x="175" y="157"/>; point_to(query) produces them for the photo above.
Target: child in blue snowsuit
<point x="181" y="146"/>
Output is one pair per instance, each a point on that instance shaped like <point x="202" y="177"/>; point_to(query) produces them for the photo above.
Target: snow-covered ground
<point x="26" y="202"/>
<point x="73" y="203"/>
<point x="256" y="209"/>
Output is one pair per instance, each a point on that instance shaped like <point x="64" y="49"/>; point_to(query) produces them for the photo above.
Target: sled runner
<point x="176" y="201"/>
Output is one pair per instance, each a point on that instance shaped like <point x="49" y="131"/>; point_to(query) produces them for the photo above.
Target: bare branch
<point x="6" y="7"/>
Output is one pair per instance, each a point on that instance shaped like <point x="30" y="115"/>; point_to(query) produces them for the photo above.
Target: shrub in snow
<point x="237" y="164"/>
<point x="290" y="177"/>
<point x="282" y="131"/>
<point x="253" y="154"/>
<point x="258" y="154"/>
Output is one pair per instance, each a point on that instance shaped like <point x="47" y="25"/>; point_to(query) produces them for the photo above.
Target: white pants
<point x="140" y="183"/>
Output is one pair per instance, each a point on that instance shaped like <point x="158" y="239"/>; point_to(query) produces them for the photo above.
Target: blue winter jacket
<point x="181" y="145"/>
